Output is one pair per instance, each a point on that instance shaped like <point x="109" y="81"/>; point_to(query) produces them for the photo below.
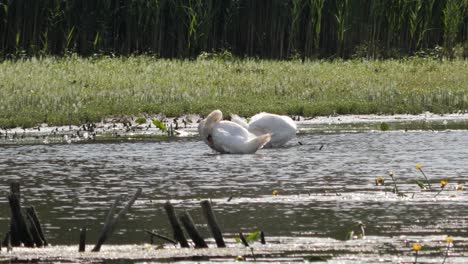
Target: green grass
<point x="74" y="90"/>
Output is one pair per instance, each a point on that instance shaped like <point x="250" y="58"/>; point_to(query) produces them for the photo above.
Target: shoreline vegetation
<point x="74" y="90"/>
<point x="275" y="29"/>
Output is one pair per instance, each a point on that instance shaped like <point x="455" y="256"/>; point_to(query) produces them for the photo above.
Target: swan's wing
<point x="236" y="119"/>
<point x="233" y="138"/>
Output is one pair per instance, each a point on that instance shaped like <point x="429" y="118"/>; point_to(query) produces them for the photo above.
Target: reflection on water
<point x="321" y="192"/>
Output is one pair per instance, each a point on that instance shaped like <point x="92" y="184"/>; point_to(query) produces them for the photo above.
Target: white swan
<point x="229" y="137"/>
<point x="281" y="128"/>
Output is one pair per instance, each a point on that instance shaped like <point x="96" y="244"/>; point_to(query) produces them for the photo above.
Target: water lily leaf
<point x="140" y="120"/>
<point x="160" y="125"/>
<point x="255" y="236"/>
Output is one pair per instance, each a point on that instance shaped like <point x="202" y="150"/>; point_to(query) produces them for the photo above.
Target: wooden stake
<point x="111" y="222"/>
<point x="152" y="234"/>
<point x="176" y="228"/>
<point x="189" y="226"/>
<point x="213" y="223"/>
<point x="82" y="246"/>
<point x="32" y="212"/>
<point x="242" y="238"/>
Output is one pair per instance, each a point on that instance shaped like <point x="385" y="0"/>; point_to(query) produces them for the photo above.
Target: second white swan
<point x="281" y="128"/>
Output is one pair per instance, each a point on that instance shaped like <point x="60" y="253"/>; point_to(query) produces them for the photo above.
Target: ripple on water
<point x="321" y="192"/>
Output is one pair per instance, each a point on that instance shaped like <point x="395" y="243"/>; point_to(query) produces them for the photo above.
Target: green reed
<point x="267" y="29"/>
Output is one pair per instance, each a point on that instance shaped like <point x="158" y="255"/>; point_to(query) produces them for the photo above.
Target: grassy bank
<point x="75" y="90"/>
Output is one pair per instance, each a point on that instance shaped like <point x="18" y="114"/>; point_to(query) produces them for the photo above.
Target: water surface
<point x="324" y="185"/>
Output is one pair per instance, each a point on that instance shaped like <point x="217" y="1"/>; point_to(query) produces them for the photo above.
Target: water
<point x="321" y="192"/>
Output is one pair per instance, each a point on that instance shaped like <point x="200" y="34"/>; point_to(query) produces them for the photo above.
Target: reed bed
<point x="263" y="28"/>
<point x="75" y="90"/>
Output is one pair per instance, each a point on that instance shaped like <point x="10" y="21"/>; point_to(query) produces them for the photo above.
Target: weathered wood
<point x="107" y="223"/>
<point x="32" y="212"/>
<point x="189" y="226"/>
<point x="15" y="188"/>
<point x="176" y="228"/>
<point x="262" y="238"/>
<point x="6" y="239"/>
<point x="14" y="229"/>
<point x="32" y="228"/>
<point x="18" y="218"/>
<point x="242" y="238"/>
<point x="212" y="223"/>
<point x="111" y="222"/>
<point x="152" y="234"/>
<point x="82" y="245"/>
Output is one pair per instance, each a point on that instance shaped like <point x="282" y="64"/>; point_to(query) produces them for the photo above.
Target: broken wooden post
<point x="82" y="245"/>
<point x="110" y="222"/>
<point x="18" y="228"/>
<point x="32" y="228"/>
<point x="242" y="238"/>
<point x="35" y="219"/>
<point x="189" y="226"/>
<point x="213" y="223"/>
<point x="14" y="232"/>
<point x="262" y="238"/>
<point x="176" y="228"/>
<point x="152" y="234"/>
<point x="6" y="240"/>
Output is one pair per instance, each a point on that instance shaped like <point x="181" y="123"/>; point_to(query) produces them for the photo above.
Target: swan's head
<point x="206" y="126"/>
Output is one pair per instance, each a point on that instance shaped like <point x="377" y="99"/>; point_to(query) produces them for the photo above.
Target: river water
<point x="324" y="185"/>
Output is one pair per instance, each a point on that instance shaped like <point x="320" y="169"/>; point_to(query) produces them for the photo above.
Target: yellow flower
<point x="443" y="183"/>
<point x="379" y="181"/>
<point x="275" y="192"/>
<point x="449" y="239"/>
<point x="239" y="258"/>
<point x="417" y="247"/>
<point x="419" y="166"/>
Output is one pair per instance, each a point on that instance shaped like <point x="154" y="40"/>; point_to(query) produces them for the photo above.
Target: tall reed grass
<point x="261" y="28"/>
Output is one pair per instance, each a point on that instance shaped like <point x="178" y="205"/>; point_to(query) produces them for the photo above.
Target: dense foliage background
<point x="275" y="29"/>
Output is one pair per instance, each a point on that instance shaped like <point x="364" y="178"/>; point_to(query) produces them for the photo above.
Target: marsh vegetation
<point x="76" y="90"/>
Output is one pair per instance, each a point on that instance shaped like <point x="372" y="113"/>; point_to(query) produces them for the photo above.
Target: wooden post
<point x="152" y="234"/>
<point x="189" y="226"/>
<point x="82" y="245"/>
<point x="262" y="238"/>
<point x="110" y="222"/>
<point x="32" y="212"/>
<point x="178" y="232"/>
<point x="19" y="226"/>
<point x="32" y="228"/>
<point x="14" y="229"/>
<point x="242" y="238"/>
<point x="213" y="223"/>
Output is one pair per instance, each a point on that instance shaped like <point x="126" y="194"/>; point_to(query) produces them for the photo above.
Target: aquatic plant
<point x="449" y="241"/>
<point x="443" y="183"/>
<point x="416" y="248"/>
<point x="379" y="181"/>
<point x="419" y="168"/>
